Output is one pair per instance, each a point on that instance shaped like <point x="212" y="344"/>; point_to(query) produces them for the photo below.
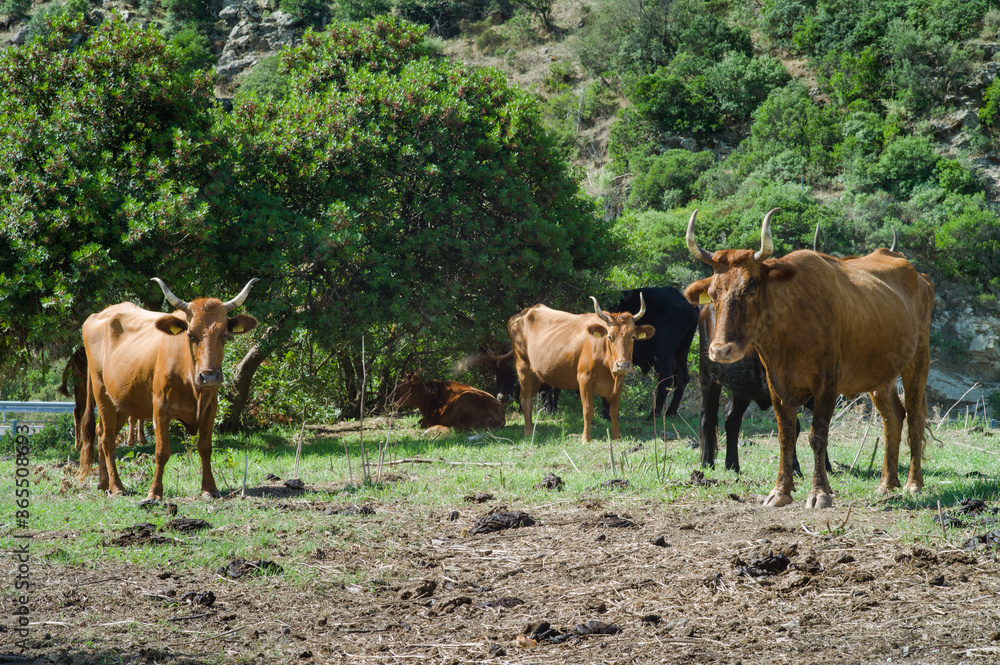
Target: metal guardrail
<point x="27" y="408"/>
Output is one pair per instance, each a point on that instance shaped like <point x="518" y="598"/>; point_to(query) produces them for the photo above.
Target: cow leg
<point x="886" y="400"/>
<point x="710" y="394"/>
<point x="162" y="454"/>
<point x="734" y="421"/>
<point x="915" y="385"/>
<point x="781" y="495"/>
<point x="208" y="488"/>
<point x="529" y="385"/>
<point x="587" y="401"/>
<point x="681" y="378"/>
<point x="821" y="495"/>
<point x="107" y="434"/>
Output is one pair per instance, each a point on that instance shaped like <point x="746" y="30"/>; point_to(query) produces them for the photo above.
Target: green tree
<point x="104" y="148"/>
<point x="422" y="188"/>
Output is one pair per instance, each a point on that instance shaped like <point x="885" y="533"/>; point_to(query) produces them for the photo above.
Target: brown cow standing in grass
<point x="825" y="326"/>
<point x="76" y="367"/>
<point x="159" y="367"/>
<point x="591" y="353"/>
<point x="448" y="405"/>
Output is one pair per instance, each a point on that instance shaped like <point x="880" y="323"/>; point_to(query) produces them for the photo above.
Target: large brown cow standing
<point x="825" y="326"/>
<point x="76" y="368"/>
<point x="591" y="353"/>
<point x="448" y="404"/>
<point x="158" y="367"/>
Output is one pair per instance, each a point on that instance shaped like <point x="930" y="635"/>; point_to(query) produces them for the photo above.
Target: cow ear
<point x="241" y="323"/>
<point x="597" y="330"/>
<point x="172" y="325"/>
<point x="644" y="332"/>
<point x="697" y="292"/>
<point x="780" y="271"/>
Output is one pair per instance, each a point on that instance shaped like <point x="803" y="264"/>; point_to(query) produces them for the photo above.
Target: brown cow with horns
<point x="591" y="353"/>
<point x="825" y="326"/>
<point x="140" y="364"/>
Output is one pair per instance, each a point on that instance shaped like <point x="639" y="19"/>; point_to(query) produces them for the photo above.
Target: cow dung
<point x="241" y="567"/>
<point x="502" y="521"/>
<point x="185" y="524"/>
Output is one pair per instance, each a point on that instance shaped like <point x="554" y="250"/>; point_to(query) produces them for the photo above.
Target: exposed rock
<point x="252" y="37"/>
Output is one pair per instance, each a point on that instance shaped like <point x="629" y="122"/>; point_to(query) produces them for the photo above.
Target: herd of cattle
<point x="783" y="332"/>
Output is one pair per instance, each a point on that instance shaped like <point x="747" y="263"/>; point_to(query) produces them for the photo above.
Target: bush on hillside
<point x="356" y="10"/>
<point x="266" y="79"/>
<point x="667" y="181"/>
<point x="15" y="8"/>
<point x="673" y="104"/>
<point x="905" y="164"/>
<point x="741" y="82"/>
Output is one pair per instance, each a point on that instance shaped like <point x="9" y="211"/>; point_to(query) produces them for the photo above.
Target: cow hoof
<point x="885" y="489"/>
<point x="149" y="502"/>
<point x="777" y="499"/>
<point x="208" y="496"/>
<point x="912" y="488"/>
<point x="819" y="500"/>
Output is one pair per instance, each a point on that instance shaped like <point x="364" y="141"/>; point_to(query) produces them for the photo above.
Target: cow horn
<point x="893" y="248"/>
<point x="597" y="310"/>
<point x="642" y="308"/>
<point x="696" y="251"/>
<point x="816" y="239"/>
<point x="238" y="300"/>
<point x="766" y="244"/>
<point x="171" y="298"/>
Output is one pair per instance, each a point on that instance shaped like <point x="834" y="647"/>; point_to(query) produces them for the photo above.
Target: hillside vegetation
<point x="385" y="189"/>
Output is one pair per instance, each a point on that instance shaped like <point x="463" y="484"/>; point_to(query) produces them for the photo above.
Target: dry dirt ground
<point x="668" y="583"/>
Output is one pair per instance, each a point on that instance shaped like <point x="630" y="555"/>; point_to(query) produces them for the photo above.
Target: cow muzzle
<point x="622" y="367"/>
<point x="209" y="379"/>
<point x="725" y="353"/>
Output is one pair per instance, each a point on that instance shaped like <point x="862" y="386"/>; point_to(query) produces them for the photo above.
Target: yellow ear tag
<point x="641" y="335"/>
<point x="704" y="298"/>
<point x="597" y="335"/>
<point x="237" y="328"/>
<point x="175" y="329"/>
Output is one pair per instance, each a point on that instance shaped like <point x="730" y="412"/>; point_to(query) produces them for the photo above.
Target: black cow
<point x="676" y="321"/>
<point x="746" y="380"/>
<point x="508" y="387"/>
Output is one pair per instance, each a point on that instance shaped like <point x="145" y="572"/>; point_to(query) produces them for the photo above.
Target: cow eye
<point x="192" y="338"/>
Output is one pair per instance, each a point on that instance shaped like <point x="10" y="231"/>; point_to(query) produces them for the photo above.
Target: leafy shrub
<point x="15" y="8"/>
<point x="560" y="75"/>
<point x="490" y="41"/>
<point x="356" y="10"/>
<point x="905" y="163"/>
<point x="989" y="113"/>
<point x="631" y="134"/>
<point x="955" y="177"/>
<point x="991" y="24"/>
<point x="857" y="76"/>
<point x="673" y="104"/>
<point x="788" y="120"/>
<point x="966" y="237"/>
<point x="779" y="19"/>
<point x="740" y="82"/>
<point x="696" y="29"/>
<point x="667" y="181"/>
<point x="442" y="16"/>
<point x="265" y="79"/>
<point x="314" y="12"/>
<point x="193" y="45"/>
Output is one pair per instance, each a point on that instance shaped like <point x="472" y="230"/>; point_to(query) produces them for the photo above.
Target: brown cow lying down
<point x="824" y="326"/>
<point x="448" y="404"/>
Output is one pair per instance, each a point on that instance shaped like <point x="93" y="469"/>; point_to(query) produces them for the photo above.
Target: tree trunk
<point x="240" y="394"/>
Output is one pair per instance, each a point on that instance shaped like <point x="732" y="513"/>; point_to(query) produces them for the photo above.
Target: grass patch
<point x="76" y="525"/>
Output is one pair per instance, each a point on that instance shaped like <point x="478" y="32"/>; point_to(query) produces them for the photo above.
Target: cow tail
<point x="88" y="432"/>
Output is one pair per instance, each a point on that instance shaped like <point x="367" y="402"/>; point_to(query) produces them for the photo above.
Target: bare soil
<point x="729" y="582"/>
